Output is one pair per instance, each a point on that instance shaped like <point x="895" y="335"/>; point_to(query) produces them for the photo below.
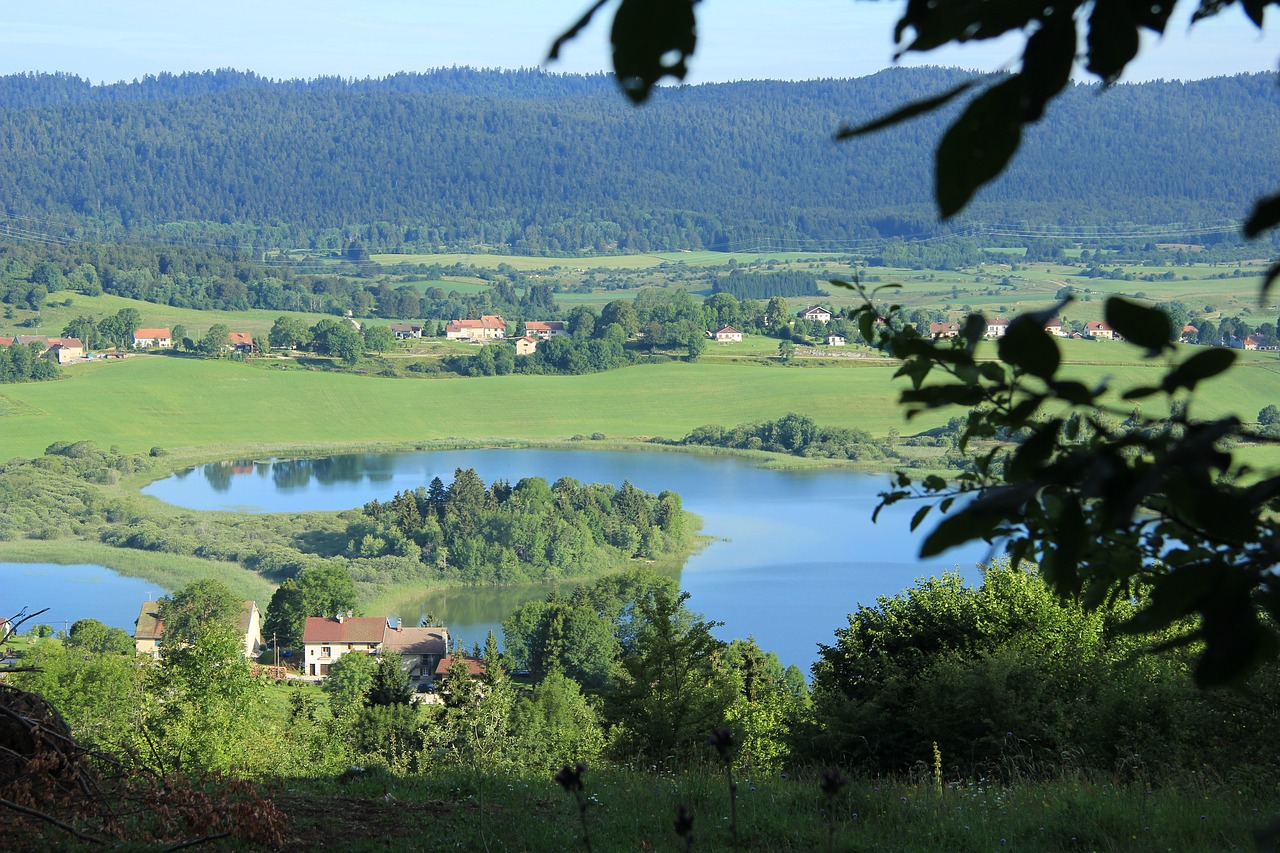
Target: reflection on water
<point x="792" y="552"/>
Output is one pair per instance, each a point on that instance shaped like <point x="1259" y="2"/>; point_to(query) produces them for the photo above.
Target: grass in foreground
<point x="630" y="810"/>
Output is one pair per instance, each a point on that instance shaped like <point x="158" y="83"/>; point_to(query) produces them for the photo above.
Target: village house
<point x="487" y="328"/>
<point x="157" y="338"/>
<point x="241" y="342"/>
<point x="148" y="629"/>
<point x="1099" y="331"/>
<point x="420" y="649"/>
<point x="727" y="335"/>
<point x="544" y="331"/>
<point x="1252" y="343"/>
<point x="63" y="349"/>
<point x="1190" y="334"/>
<point x="404" y="331"/>
<point x="1055" y="328"/>
<point x="815" y="312"/>
<point x="944" y="330"/>
<point x="327" y="638"/>
<point x="997" y="327"/>
<point x="475" y="666"/>
<point x="526" y="345"/>
<point x="834" y="340"/>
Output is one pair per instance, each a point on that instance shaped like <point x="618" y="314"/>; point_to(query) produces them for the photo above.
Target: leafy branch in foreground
<point x="1111" y="503"/>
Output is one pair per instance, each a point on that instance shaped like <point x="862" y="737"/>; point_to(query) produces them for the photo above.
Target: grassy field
<point x="143" y="401"/>
<point x="57" y="314"/>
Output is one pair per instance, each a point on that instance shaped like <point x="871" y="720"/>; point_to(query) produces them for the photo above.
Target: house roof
<point x="405" y="327"/>
<point x="146" y="334"/>
<point x="474" y="666"/>
<point x="32" y="339"/>
<point x="1189" y="328"/>
<point x="1053" y="322"/>
<point x="348" y="629"/>
<point x="998" y="321"/>
<point x="417" y="641"/>
<point x="943" y="328"/>
<point x="815" y="309"/>
<point x="66" y="342"/>
<point x="544" y="326"/>
<point x="149" y="625"/>
<point x="488" y="321"/>
<point x="1097" y="326"/>
<point x="240" y="339"/>
<point x="728" y="330"/>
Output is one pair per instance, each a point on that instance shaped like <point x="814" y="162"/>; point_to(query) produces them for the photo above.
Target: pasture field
<point x="55" y="316"/>
<point x="208" y="407"/>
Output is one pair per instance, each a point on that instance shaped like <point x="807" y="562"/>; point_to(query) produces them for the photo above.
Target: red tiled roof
<point x="548" y="326"/>
<point x="149" y="334"/>
<point x="240" y="338"/>
<point x="352" y="629"/>
<point x="476" y="667"/>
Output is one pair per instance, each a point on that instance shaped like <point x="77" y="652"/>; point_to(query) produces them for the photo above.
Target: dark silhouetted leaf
<point x="1028" y="347"/>
<point x="1269" y="279"/>
<point x="1146" y="327"/>
<point x="910" y="111"/>
<point x="1266" y="214"/>
<point x="1139" y="393"/>
<point x="1046" y="64"/>
<point x="937" y="22"/>
<point x="1200" y="366"/>
<point x="652" y="39"/>
<point x="957" y="529"/>
<point x="978" y="146"/>
<point x="1033" y="452"/>
<point x="1113" y="38"/>
<point x="920" y="515"/>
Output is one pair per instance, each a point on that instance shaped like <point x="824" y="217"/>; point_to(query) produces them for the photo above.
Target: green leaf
<point x="955" y="530"/>
<point x="652" y="39"/>
<point x="1028" y="347"/>
<point x="1266" y="214"/>
<point x="1139" y="393"/>
<point x="910" y="111"/>
<point x="1073" y="392"/>
<point x="1200" y="366"/>
<point x="1146" y="327"/>
<point x="978" y="146"/>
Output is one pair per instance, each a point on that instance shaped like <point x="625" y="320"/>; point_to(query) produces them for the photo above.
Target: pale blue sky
<point x="739" y="39"/>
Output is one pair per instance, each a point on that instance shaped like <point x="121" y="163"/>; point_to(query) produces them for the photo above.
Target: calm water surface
<point x="792" y="552"/>
<point x="72" y="593"/>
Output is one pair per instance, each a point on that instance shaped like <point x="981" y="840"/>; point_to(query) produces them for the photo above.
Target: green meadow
<point x="608" y="262"/>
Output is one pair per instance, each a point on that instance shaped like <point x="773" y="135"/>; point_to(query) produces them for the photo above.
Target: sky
<point x="738" y="39"/>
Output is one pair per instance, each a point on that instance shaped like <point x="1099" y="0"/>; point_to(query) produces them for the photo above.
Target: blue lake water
<point x="793" y="552"/>
<point x="72" y="593"/>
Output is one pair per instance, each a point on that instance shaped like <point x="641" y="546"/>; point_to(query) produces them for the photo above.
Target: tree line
<point x="245" y="161"/>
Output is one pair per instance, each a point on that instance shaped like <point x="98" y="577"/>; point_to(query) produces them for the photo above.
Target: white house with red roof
<point x="727" y="335"/>
<point x="157" y="338"/>
<point x="526" y="345"/>
<point x="1055" y="328"/>
<point x="241" y="342"/>
<point x="996" y="327"/>
<point x="816" y="312"/>
<point x="545" y="330"/>
<point x="489" y="327"/>
<point x="1099" y="331"/>
<point x="326" y="639"/>
<point x="944" y="330"/>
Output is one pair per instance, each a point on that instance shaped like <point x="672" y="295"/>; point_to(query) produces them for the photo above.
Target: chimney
<point x="339" y="617"/>
<point x="348" y="614"/>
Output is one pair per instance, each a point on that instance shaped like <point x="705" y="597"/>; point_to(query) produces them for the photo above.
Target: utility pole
<point x="276" y="643"/>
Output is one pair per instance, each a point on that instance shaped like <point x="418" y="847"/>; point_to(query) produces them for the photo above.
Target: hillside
<point x="537" y="163"/>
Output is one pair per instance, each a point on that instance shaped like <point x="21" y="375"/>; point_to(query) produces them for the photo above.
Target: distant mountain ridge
<point x="531" y="162"/>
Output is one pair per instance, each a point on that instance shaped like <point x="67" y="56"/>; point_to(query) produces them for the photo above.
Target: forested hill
<point x="532" y="162"/>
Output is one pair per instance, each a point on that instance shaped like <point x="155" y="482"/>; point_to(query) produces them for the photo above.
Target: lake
<point x="792" y="552"/>
<point x="72" y="593"/>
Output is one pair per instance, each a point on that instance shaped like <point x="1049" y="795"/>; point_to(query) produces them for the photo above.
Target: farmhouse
<point x="526" y="345"/>
<point x="997" y="327"/>
<point x="148" y="629"/>
<point x="420" y="649"/>
<point x="1099" y="331"/>
<point x="944" y="330"/>
<point x="404" y="331"/>
<point x="545" y="330"/>
<point x="325" y="639"/>
<point x="834" y="340"/>
<point x="815" y="312"/>
<point x="727" y="335"/>
<point x="487" y="328"/>
<point x="1190" y="334"/>
<point x="241" y="342"/>
<point x="1055" y="328"/>
<point x="158" y="338"/>
<point x="475" y="666"/>
<point x="63" y="349"/>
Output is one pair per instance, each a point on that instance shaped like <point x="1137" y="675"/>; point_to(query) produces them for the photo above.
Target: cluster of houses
<point x="64" y="350"/>
<point x="424" y="651"/>
<point x="238" y="342"/>
<point x="998" y="326"/>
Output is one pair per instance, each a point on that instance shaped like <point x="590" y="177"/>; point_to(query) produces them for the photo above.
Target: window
<point x="326" y="652"/>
